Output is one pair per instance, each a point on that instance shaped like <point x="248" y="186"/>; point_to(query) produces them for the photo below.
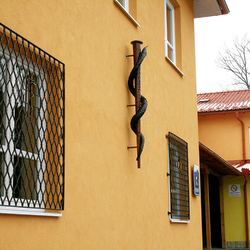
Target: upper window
<point x="125" y="4"/>
<point x="31" y="125"/>
<point x="170" y="51"/>
<point x="179" y="180"/>
<point x="129" y="7"/>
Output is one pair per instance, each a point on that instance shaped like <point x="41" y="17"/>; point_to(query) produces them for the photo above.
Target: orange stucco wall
<point x="223" y="134"/>
<point x="109" y="203"/>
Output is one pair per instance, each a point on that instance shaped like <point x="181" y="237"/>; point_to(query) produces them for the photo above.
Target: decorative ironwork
<point x="31" y="125"/>
<point x="179" y="180"/>
<point x="134" y="84"/>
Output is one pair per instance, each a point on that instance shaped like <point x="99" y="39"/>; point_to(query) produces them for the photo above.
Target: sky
<point x="211" y="36"/>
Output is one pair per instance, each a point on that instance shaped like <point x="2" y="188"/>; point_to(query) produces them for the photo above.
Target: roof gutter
<point x="223" y="112"/>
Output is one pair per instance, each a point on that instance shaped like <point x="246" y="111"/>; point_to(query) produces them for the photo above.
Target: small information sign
<point x="196" y="180"/>
<point x="234" y="190"/>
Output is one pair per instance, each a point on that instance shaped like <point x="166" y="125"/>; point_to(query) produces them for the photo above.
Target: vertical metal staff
<point x="136" y="52"/>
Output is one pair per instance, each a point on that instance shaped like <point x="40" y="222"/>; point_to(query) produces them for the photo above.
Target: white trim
<point x="175" y="67"/>
<point x="127" y="13"/>
<point x="179" y="221"/>
<point x="125" y="4"/>
<point x="28" y="211"/>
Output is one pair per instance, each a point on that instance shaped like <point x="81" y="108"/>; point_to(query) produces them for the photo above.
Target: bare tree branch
<point x="236" y="61"/>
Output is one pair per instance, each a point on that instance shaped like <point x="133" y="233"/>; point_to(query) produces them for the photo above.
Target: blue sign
<point x="196" y="180"/>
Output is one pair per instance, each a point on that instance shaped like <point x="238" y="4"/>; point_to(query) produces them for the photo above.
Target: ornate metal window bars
<point x="31" y="125"/>
<point x="179" y="178"/>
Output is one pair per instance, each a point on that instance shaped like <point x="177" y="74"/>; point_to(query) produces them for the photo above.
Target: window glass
<point x="19" y="130"/>
<point x="169" y="25"/>
<point x="169" y="32"/>
<point x="129" y="7"/>
<point x="26" y="108"/>
<point x="125" y="4"/>
<point x="31" y="125"/>
<point x="25" y="175"/>
<point x="2" y="90"/>
<point x="179" y="180"/>
<point x="170" y="53"/>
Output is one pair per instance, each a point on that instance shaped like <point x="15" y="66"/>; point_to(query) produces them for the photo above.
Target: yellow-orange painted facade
<point x="223" y="134"/>
<point x="235" y="221"/>
<point x="109" y="203"/>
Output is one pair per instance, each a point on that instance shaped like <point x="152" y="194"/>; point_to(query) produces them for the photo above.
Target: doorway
<point x="211" y="219"/>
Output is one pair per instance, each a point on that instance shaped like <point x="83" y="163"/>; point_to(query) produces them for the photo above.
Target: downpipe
<point x="243" y="136"/>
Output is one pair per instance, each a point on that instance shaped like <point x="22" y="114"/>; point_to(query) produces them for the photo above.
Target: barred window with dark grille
<point x="31" y="125"/>
<point x="179" y="179"/>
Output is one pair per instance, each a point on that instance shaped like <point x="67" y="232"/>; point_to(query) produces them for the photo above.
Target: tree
<point x="236" y="60"/>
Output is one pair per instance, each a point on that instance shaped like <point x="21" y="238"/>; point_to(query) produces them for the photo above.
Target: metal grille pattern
<point x="179" y="181"/>
<point x="31" y="125"/>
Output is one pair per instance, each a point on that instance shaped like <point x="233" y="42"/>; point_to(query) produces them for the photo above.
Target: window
<point x="129" y="7"/>
<point x="179" y="180"/>
<point x="125" y="4"/>
<point x="31" y="125"/>
<point x="170" y="51"/>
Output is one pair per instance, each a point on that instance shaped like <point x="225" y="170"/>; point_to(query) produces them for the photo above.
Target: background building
<point x="224" y="122"/>
<point x="68" y="179"/>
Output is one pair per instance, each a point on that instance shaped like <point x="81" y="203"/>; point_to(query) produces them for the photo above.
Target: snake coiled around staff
<point x="143" y="101"/>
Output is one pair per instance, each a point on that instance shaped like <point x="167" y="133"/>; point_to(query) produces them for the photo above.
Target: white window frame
<point x="170" y="44"/>
<point x="8" y="150"/>
<point x="125" y="4"/>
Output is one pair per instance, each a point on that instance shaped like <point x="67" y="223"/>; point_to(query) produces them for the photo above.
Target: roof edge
<point x="223" y="112"/>
<point x="218" y="158"/>
<point x="206" y="8"/>
<point x="224" y="7"/>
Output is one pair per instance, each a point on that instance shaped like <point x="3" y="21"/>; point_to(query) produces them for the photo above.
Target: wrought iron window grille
<point x="179" y="178"/>
<point x="32" y="111"/>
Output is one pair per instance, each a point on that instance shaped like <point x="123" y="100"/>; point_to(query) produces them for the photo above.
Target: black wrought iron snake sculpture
<point x="143" y="101"/>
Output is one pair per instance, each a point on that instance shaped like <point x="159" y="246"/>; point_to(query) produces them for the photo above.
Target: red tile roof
<point x="240" y="167"/>
<point x="223" y="101"/>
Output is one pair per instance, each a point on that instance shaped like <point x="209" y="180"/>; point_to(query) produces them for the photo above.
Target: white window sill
<point x="127" y="14"/>
<point x="175" y="67"/>
<point x="28" y="211"/>
<point x="179" y="221"/>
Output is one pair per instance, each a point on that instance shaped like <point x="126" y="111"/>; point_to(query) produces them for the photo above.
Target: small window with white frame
<point x="31" y="125"/>
<point x="179" y="179"/>
<point x="170" y="50"/>
<point x="129" y="7"/>
<point x="125" y="4"/>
